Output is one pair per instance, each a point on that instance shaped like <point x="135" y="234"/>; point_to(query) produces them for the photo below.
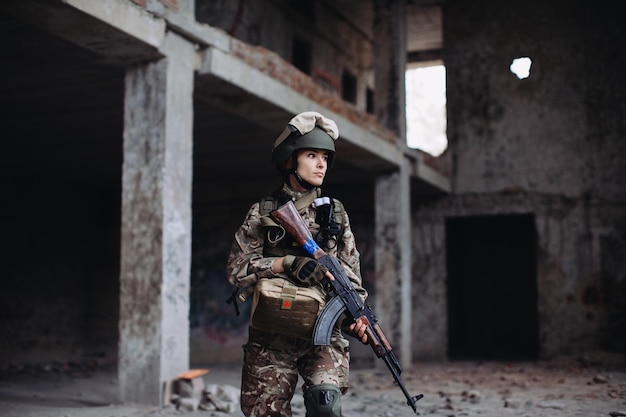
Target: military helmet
<point x="308" y="130"/>
<point x="315" y="139"/>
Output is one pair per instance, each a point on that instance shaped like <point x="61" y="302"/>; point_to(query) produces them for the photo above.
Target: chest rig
<point x="327" y="229"/>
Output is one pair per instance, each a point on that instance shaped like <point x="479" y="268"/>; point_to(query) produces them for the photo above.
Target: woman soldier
<point x="277" y="351"/>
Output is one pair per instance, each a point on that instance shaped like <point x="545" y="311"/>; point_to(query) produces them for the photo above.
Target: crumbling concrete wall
<point x="336" y="44"/>
<point x="552" y="145"/>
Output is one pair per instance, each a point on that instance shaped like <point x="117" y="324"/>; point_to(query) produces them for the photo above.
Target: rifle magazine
<point x="326" y="321"/>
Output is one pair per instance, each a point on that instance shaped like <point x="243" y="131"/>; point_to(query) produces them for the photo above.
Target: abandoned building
<point x="137" y="133"/>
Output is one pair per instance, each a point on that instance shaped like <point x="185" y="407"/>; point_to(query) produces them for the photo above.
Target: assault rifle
<point x="343" y="298"/>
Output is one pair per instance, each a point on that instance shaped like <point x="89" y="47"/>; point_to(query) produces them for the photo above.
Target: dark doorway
<point x="492" y="287"/>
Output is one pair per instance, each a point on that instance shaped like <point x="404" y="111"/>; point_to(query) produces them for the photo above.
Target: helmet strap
<point x="302" y="182"/>
<point x="294" y="172"/>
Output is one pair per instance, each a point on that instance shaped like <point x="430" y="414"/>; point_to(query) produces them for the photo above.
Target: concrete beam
<point x="431" y="177"/>
<point x="225" y="67"/>
<point x="125" y="16"/>
<point x="183" y="21"/>
<point x="420" y="170"/>
<point x="117" y="31"/>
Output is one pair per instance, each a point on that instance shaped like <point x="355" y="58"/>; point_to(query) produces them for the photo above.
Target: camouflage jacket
<point x="247" y="263"/>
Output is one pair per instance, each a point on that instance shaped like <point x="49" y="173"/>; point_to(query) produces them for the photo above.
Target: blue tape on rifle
<point x="310" y="246"/>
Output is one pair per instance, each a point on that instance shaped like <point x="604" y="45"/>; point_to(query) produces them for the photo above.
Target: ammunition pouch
<point x="279" y="306"/>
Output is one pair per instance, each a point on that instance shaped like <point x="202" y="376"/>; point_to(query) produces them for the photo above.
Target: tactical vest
<point x="277" y="243"/>
<point x="327" y="230"/>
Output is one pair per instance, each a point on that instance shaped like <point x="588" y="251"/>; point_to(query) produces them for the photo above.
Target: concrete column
<point x="393" y="195"/>
<point x="390" y="65"/>
<point x="156" y="223"/>
<point x="393" y="261"/>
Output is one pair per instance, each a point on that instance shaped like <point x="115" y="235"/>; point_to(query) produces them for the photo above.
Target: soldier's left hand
<point x="304" y="271"/>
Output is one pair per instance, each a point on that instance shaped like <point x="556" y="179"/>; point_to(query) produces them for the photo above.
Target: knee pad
<point x="323" y="400"/>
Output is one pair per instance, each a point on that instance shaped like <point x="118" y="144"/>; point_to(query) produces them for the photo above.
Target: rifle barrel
<point x="411" y="401"/>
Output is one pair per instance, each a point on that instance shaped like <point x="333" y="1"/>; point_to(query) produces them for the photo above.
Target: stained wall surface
<point x="551" y="146"/>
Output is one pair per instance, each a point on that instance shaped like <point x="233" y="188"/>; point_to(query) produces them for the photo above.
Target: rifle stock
<point x="288" y="217"/>
<point x="343" y="298"/>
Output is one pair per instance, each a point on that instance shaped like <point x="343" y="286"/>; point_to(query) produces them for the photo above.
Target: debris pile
<point x="190" y="393"/>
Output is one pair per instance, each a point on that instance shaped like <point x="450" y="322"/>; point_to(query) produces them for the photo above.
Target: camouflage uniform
<point x="272" y="362"/>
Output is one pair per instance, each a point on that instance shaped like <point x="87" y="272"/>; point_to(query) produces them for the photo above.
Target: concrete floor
<point x="592" y="385"/>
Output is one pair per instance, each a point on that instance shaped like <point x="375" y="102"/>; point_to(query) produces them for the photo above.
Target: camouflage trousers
<point x="272" y="364"/>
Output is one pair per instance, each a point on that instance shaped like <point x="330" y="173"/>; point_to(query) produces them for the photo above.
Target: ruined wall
<point x="552" y="145"/>
<point x="335" y="44"/>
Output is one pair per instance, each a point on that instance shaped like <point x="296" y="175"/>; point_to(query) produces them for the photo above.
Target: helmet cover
<point x="307" y="130"/>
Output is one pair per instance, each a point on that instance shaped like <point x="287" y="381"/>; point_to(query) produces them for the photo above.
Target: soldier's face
<point x="312" y="165"/>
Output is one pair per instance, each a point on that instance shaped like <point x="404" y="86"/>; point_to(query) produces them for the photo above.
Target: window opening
<point x="348" y="86"/>
<point x="426" y="108"/>
<point x="369" y="100"/>
<point x="301" y="55"/>
<point x="305" y="7"/>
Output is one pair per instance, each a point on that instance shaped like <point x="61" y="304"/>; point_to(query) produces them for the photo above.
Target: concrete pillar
<point x="393" y="260"/>
<point x="390" y="65"/>
<point x="393" y="219"/>
<point x="156" y="223"/>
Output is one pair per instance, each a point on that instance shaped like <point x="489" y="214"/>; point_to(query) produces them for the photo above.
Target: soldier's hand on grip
<point x="304" y="271"/>
<point x="358" y="330"/>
